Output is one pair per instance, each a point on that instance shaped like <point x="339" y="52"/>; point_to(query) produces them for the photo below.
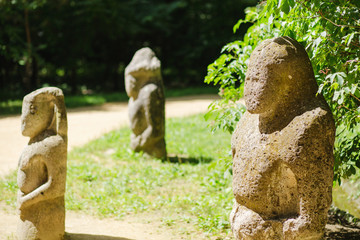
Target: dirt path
<point x="79" y="226"/>
<point x="140" y="227"/>
<point x="87" y="123"/>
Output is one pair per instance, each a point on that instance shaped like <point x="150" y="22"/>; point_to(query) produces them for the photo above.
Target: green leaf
<point x="353" y="88"/>
<point x="291" y="3"/>
<point x="349" y="38"/>
<point x="341" y="98"/>
<point x="357" y="3"/>
<point x="237" y="25"/>
<point x="357" y="164"/>
<point x="321" y="88"/>
<point x="352" y="170"/>
<point x="340" y="76"/>
<point x="271" y="19"/>
<point x="284" y="6"/>
<point x="336" y="95"/>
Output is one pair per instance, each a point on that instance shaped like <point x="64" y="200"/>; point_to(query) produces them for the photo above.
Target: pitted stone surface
<point x="282" y="148"/>
<point x="144" y="86"/>
<point x="42" y="166"/>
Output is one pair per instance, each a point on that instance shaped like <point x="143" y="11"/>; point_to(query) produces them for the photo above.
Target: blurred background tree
<point x="86" y="44"/>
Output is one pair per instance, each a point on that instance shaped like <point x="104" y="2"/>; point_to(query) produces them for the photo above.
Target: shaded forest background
<point x="86" y="44"/>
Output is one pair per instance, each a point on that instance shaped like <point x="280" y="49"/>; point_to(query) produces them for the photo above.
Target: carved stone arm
<point x="39" y="194"/>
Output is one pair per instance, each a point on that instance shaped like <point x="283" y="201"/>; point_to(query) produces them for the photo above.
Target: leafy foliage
<point x="330" y="32"/>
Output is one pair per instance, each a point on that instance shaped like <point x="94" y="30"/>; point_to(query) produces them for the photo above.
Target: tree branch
<point x="338" y="25"/>
<point x="354" y="97"/>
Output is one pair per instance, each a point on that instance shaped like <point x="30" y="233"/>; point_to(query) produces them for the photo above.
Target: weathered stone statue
<point x="144" y="86"/>
<point x="282" y="148"/>
<point x="42" y="166"/>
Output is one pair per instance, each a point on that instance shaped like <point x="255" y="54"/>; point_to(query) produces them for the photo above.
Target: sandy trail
<point x="79" y="226"/>
<point x="88" y="123"/>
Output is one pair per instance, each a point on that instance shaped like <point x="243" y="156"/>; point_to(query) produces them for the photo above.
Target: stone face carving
<point x="144" y="86"/>
<point x="282" y="148"/>
<point x="42" y="166"/>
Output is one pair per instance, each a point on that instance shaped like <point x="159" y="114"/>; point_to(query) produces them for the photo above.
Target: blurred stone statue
<point x="42" y="166"/>
<point x="144" y="86"/>
<point x="282" y="148"/>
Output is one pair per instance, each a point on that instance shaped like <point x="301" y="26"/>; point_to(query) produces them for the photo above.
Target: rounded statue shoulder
<point x="247" y="120"/>
<point x="317" y="123"/>
<point x="318" y="115"/>
<point x="47" y="144"/>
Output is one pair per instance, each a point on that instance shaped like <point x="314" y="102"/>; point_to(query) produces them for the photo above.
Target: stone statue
<point x="282" y="148"/>
<point x="144" y="86"/>
<point x="42" y="166"/>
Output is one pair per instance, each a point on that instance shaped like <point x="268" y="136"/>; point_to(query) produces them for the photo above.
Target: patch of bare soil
<point x="150" y="226"/>
<point x="143" y="226"/>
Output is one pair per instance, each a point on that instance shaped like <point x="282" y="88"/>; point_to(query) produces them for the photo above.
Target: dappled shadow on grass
<point x="80" y="236"/>
<point x="340" y="225"/>
<point x="172" y="158"/>
<point x="343" y="233"/>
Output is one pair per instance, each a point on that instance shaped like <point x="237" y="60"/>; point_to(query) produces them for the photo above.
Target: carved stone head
<point x="43" y="109"/>
<point x="144" y="68"/>
<point x="279" y="75"/>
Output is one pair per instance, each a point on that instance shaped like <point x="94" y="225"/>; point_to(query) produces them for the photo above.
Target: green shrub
<point x="330" y="32"/>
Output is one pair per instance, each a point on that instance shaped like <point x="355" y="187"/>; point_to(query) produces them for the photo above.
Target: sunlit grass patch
<point x="105" y="178"/>
<point x="8" y="189"/>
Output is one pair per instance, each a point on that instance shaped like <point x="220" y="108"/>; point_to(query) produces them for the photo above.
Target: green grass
<point x="105" y="178"/>
<point x="14" y="106"/>
<point x="10" y="107"/>
<point x="9" y="188"/>
<point x="348" y="201"/>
